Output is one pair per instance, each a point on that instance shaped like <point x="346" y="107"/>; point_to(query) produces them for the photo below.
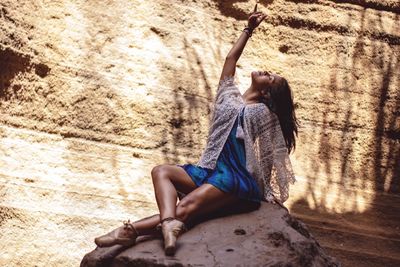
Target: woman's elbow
<point x="231" y="57"/>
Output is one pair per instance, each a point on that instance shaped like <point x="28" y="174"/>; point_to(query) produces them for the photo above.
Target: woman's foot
<point x="171" y="229"/>
<point x="125" y="235"/>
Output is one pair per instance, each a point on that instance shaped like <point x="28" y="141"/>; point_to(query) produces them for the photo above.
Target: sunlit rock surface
<point x="268" y="236"/>
<point x="93" y="94"/>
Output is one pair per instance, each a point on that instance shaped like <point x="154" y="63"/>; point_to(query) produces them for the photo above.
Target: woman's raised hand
<point x="255" y="19"/>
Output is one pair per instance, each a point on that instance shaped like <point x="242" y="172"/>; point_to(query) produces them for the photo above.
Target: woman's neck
<point x="251" y="96"/>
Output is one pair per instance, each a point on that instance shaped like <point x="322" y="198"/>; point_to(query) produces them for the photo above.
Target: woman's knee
<point x="186" y="207"/>
<point x="158" y="172"/>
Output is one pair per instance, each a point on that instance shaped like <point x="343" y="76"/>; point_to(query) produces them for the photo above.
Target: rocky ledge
<point x="267" y="236"/>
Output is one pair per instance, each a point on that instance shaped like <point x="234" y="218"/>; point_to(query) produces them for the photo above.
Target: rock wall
<point x="94" y="94"/>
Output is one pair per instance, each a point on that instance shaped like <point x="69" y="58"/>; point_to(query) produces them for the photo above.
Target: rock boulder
<point x="267" y="236"/>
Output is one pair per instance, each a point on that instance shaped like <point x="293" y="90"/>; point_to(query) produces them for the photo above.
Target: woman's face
<point x="264" y="80"/>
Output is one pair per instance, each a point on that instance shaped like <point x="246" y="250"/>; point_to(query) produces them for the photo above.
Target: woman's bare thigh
<point x="178" y="176"/>
<point x="208" y="202"/>
<point x="207" y="198"/>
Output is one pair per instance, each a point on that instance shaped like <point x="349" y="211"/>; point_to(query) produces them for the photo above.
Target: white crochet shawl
<point x="267" y="158"/>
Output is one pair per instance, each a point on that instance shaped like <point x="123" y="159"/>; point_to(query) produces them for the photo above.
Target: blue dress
<point x="230" y="174"/>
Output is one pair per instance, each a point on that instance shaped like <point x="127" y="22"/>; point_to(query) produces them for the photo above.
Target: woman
<point x="245" y="160"/>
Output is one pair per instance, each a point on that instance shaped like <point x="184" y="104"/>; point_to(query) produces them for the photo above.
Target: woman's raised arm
<point x="234" y="54"/>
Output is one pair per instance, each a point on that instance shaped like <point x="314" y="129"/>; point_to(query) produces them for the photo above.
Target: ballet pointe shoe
<point x="171" y="229"/>
<point x="125" y="235"/>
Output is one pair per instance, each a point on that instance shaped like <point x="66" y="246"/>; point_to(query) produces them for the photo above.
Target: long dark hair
<point x="280" y="101"/>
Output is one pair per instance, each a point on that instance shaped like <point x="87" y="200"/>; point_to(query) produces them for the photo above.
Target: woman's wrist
<point x="249" y="31"/>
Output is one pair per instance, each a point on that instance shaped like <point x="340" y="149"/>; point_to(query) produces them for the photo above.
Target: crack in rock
<point x="208" y="249"/>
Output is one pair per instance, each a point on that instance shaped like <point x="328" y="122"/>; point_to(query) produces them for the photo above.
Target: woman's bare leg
<point x="198" y="201"/>
<point x="201" y="201"/>
<point x="167" y="179"/>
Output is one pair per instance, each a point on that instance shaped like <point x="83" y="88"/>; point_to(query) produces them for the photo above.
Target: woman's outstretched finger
<point x="255" y="13"/>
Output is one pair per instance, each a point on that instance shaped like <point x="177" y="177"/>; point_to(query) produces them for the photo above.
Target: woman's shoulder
<point x="227" y="89"/>
<point x="259" y="114"/>
<point x="257" y="109"/>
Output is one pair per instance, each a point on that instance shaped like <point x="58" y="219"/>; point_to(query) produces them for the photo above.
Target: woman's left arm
<point x="236" y="51"/>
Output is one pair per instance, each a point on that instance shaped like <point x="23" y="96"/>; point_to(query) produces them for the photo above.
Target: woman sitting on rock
<point x="246" y="159"/>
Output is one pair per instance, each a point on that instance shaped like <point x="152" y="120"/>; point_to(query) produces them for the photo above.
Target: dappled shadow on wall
<point x="353" y="179"/>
